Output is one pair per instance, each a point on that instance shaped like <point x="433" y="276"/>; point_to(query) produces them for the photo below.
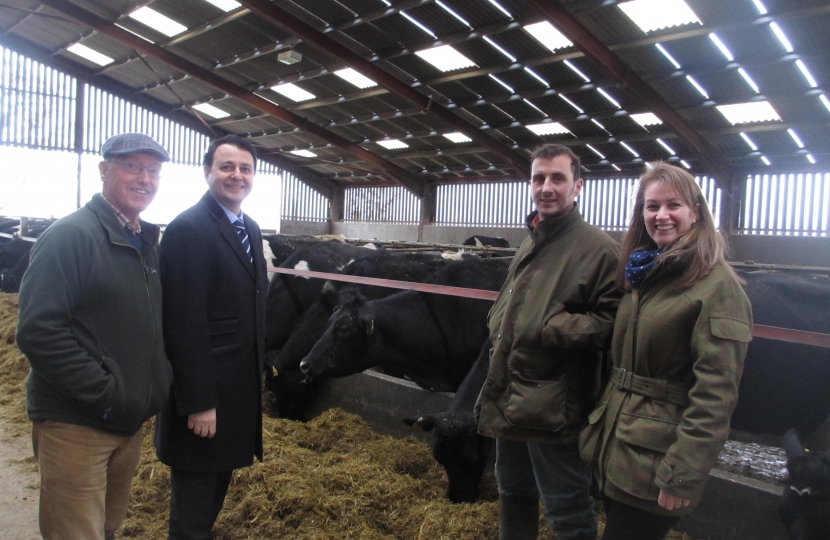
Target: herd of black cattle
<point x="318" y="329"/>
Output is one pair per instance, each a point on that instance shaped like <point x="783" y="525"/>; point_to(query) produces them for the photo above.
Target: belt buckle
<point x="620" y="384"/>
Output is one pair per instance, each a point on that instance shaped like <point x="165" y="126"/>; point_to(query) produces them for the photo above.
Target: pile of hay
<point x="331" y="478"/>
<point x="13" y="370"/>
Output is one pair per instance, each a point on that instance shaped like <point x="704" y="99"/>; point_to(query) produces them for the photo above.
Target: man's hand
<point x="203" y="424"/>
<point x="671" y="502"/>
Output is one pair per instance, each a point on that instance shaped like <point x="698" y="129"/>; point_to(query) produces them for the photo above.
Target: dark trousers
<point x="195" y="500"/>
<point x="624" y="522"/>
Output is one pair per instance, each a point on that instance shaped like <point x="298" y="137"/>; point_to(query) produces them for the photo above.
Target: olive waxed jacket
<point x="550" y="324"/>
<point x="664" y="426"/>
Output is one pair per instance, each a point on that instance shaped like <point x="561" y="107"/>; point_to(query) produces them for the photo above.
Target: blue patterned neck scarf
<point x="639" y="266"/>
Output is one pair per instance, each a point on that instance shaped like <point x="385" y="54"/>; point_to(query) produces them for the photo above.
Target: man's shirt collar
<point x="122" y="219"/>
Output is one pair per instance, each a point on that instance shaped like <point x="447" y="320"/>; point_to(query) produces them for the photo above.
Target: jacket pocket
<point x="537" y="404"/>
<point x="590" y="438"/>
<point x="223" y="332"/>
<point x="641" y="443"/>
<point x="545" y="391"/>
<point x="728" y="328"/>
<point x="118" y="401"/>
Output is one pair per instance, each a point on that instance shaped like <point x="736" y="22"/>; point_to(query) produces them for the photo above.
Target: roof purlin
<point x="397" y="172"/>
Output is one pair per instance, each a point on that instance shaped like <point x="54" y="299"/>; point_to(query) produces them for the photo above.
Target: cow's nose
<point x="304" y="365"/>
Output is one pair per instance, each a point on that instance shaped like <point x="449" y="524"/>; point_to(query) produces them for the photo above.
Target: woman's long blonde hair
<point x="702" y="239"/>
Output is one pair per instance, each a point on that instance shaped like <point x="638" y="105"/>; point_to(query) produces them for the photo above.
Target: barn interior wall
<point x="313" y="228"/>
<point x="794" y="250"/>
<point x="377" y="231"/>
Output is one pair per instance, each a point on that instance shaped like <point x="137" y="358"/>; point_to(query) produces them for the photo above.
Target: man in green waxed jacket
<point x="90" y="325"/>
<point x="550" y="325"/>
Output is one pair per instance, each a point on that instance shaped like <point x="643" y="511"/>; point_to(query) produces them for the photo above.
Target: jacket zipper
<point x="147" y="270"/>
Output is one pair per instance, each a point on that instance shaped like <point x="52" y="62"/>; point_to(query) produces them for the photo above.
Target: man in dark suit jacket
<point x="214" y="283"/>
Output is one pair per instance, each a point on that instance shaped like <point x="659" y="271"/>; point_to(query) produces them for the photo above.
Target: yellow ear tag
<point x="274" y="371"/>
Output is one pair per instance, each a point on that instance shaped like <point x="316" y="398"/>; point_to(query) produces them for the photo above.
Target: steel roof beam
<point x="398" y="173"/>
<point x="312" y="36"/>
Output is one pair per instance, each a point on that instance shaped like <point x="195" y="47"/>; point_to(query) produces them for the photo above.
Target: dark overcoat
<point x="214" y="333"/>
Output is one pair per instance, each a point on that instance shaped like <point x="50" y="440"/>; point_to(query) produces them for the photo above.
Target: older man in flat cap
<point x="90" y="325"/>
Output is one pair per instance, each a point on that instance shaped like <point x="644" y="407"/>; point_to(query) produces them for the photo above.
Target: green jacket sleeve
<point x="719" y="343"/>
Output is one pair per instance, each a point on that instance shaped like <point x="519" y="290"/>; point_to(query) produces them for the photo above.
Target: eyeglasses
<point x="136" y="169"/>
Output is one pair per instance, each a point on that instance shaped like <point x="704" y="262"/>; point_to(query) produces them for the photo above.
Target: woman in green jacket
<point x="680" y="337"/>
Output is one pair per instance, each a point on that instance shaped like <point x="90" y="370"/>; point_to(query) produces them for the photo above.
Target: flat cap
<point x="131" y="143"/>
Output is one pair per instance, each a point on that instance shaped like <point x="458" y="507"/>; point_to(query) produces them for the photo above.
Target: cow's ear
<point x="792" y="446"/>
<point x="330" y="296"/>
<point x="368" y="323"/>
<point x="421" y="423"/>
<point x="351" y="297"/>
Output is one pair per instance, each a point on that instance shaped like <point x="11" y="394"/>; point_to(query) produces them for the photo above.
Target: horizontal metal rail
<point x="14" y="236"/>
<point x="393" y="284"/>
<point x="759" y="330"/>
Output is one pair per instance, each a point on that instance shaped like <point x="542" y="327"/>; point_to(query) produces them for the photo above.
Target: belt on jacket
<point x="658" y="389"/>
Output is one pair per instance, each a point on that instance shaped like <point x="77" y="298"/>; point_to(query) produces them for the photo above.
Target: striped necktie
<point x="243" y="235"/>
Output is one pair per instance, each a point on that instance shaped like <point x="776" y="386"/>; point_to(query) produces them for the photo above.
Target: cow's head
<point x="809" y="472"/>
<point x="805" y="508"/>
<point x="458" y="447"/>
<point x="343" y="349"/>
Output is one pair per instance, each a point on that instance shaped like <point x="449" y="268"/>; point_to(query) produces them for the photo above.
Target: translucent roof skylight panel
<point x="609" y="24"/>
<point x="102" y="45"/>
<point x="652" y="15"/>
<point x="417" y="68"/>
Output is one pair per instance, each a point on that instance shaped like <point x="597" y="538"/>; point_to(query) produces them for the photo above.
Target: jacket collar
<point x="115" y="232"/>
<point x="551" y="228"/>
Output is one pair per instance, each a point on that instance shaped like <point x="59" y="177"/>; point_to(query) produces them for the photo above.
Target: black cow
<point x="785" y="385"/>
<point x="14" y="260"/>
<point x="290" y="296"/>
<point x="433" y="339"/>
<point x="293" y="393"/>
<point x="482" y="241"/>
<point x="805" y="505"/>
<point x="283" y="245"/>
<point x="456" y="444"/>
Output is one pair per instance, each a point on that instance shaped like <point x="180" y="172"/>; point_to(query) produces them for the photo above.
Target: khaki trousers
<point x="85" y="478"/>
